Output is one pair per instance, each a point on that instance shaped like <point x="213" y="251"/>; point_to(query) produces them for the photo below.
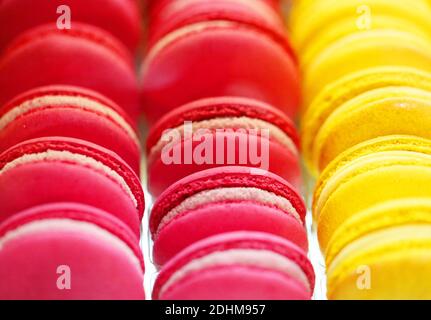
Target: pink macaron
<point x="70" y="112"/>
<point x="222" y="200"/>
<point x="235" y="49"/>
<point x="69" y="251"/>
<point x="239" y="265"/>
<point x="222" y="131"/>
<point x="84" y="56"/>
<point x="59" y="169"/>
<point x="120" y="18"/>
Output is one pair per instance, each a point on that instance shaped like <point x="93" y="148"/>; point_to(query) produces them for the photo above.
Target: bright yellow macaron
<point x="335" y="95"/>
<point x="364" y="50"/>
<point x="383" y="253"/>
<point x="379" y="112"/>
<point x="367" y="181"/>
<point x="377" y="145"/>
<point x="311" y="20"/>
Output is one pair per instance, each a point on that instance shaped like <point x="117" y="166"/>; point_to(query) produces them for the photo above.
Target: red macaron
<point x="235" y="55"/>
<point x="120" y="18"/>
<point x="70" y="112"/>
<point x="221" y="131"/>
<point x="83" y="56"/>
<point x="59" y="169"/>
<point x="221" y="200"/>
<point x="237" y="266"/>
<point x="69" y="251"/>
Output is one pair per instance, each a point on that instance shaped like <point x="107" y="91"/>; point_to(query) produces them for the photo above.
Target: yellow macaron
<point x="364" y="50"/>
<point x="383" y="253"/>
<point x="311" y="20"/>
<point x="379" y="112"/>
<point x="338" y="93"/>
<point x="367" y="181"/>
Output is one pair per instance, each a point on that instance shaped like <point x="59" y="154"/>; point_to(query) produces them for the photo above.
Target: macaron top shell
<point x="223" y="177"/>
<point x="71" y="112"/>
<point x="108" y="159"/>
<point x="78" y="212"/>
<point x="120" y="18"/>
<point x="231" y="241"/>
<point x="222" y="107"/>
<point x="83" y="56"/>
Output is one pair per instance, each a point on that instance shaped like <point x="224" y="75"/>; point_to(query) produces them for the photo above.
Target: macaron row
<point x="203" y="49"/>
<point x="71" y="199"/>
<point x="365" y="134"/>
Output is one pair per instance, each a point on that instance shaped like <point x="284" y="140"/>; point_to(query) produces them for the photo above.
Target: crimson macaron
<point x="237" y="54"/>
<point x="120" y="18"/>
<point x="59" y="169"/>
<point x="237" y="266"/>
<point x="221" y="200"/>
<point x="70" y="112"/>
<point x="83" y="56"/>
<point x="222" y="131"/>
<point x="69" y="251"/>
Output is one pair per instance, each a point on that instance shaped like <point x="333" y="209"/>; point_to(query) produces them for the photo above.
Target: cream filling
<point x="226" y="194"/>
<point x="244" y="123"/>
<point x="381" y="238"/>
<point x="181" y="32"/>
<point x="67" y="225"/>
<point x="61" y="100"/>
<point x="244" y="257"/>
<point x="53" y="155"/>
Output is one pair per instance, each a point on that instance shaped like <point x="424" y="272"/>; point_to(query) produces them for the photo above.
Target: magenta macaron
<point x="237" y="266"/>
<point x="222" y="131"/>
<point x="59" y="169"/>
<point x="69" y="251"/>
<point x="70" y="112"/>
<point x="83" y="56"/>
<point x="225" y="199"/>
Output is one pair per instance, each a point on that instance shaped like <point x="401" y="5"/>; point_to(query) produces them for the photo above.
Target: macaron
<point x="59" y="169"/>
<point x="84" y="56"/>
<point x="384" y="111"/>
<point x="212" y="58"/>
<point x="347" y="88"/>
<point x="367" y="181"/>
<point x="383" y="253"/>
<point x="70" y="112"/>
<point x="67" y="251"/>
<point x="120" y="18"/>
<point x="239" y="265"/>
<point x="222" y="131"/>
<point x="221" y="200"/>
<point x="363" y="50"/>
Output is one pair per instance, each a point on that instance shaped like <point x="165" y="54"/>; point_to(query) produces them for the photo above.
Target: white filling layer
<point x="230" y="194"/>
<point x="53" y="155"/>
<point x="244" y="257"/>
<point x="244" y="123"/>
<point x="61" y="100"/>
<point x="68" y="225"/>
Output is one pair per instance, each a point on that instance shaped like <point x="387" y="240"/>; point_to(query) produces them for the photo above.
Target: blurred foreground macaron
<point x="383" y="252"/>
<point x="233" y="55"/>
<point x="84" y="56"/>
<point x="58" y="169"/>
<point x="222" y="200"/>
<point x="239" y="265"/>
<point x="70" y="112"/>
<point x="120" y="18"/>
<point x="68" y="251"/>
<point x="218" y="132"/>
<point x="383" y="174"/>
<point x="335" y="95"/>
